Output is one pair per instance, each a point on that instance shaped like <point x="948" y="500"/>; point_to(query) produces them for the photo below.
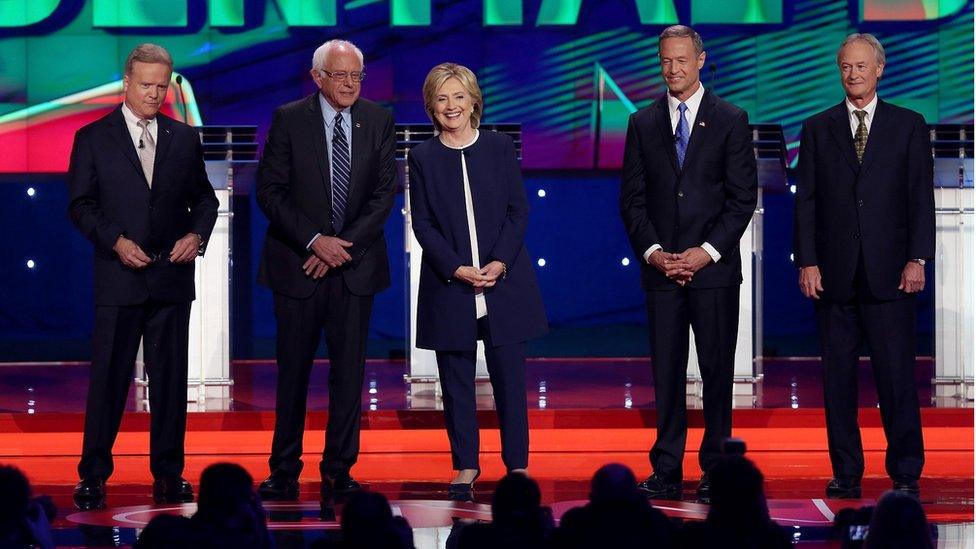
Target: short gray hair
<point x="148" y="53"/>
<point x="681" y="31"/>
<point x="879" y="53"/>
<point x="322" y="52"/>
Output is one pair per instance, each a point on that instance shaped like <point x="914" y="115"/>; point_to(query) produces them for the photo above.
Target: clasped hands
<point x="485" y="277"/>
<point x="328" y="252"/>
<point x="131" y="255"/>
<point x="680" y="267"/>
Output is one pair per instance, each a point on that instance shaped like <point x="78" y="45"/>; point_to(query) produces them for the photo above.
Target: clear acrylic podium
<point x="955" y="264"/>
<point x="229" y="152"/>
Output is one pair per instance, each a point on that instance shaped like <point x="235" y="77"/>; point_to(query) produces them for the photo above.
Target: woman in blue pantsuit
<point x="469" y="213"/>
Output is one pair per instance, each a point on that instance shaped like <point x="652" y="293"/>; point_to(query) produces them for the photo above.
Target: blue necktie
<point x="681" y="134"/>
<point x="340" y="173"/>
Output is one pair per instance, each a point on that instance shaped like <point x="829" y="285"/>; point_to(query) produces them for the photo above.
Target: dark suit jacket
<point x="109" y="197"/>
<point x="883" y="207"/>
<point x="711" y="199"/>
<point x="295" y="192"/>
<point x="445" y="308"/>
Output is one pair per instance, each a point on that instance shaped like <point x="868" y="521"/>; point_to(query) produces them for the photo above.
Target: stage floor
<point x="583" y="413"/>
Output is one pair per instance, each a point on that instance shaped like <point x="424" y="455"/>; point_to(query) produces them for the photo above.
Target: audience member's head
<point x="614" y="483"/>
<point x="228" y="508"/>
<point x="24" y="521"/>
<point x="737" y="497"/>
<point x="898" y="522"/>
<point x="367" y="521"/>
<point x="516" y="502"/>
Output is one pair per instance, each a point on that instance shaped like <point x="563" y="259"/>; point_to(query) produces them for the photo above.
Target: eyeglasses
<point x="357" y="76"/>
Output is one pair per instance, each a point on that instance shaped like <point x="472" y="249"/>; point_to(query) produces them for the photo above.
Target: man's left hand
<point x="494" y="271"/>
<point x="912" y="278"/>
<point x="186" y="249"/>
<point x="694" y="259"/>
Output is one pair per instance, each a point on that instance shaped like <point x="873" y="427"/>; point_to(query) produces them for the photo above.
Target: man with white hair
<point x="864" y="229"/>
<point x="326" y="182"/>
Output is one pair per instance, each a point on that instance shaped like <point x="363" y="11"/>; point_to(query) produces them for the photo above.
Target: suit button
<point x="681" y="194"/>
<point x="860" y="202"/>
<point x="856" y="236"/>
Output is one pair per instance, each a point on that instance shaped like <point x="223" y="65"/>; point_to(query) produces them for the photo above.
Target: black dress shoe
<point x="658" y="487"/>
<point x="704" y="491"/>
<point x="172" y="490"/>
<point x="90" y="494"/>
<point x="843" y="489"/>
<point x="462" y="491"/>
<point x="907" y="486"/>
<point x="338" y="486"/>
<point x="279" y="487"/>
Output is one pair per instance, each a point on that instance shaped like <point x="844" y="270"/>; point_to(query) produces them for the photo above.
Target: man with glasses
<point x="326" y="181"/>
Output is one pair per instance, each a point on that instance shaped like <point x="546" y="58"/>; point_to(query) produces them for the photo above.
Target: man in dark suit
<point x="139" y="191"/>
<point x="864" y="228"/>
<point x="687" y="194"/>
<point x="326" y="182"/>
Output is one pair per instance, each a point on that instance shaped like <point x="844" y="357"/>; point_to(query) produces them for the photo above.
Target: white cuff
<point x="652" y="249"/>
<point x="711" y="251"/>
<point x="309" y="245"/>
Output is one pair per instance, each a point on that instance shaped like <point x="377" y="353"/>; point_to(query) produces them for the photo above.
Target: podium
<point x="955" y="264"/>
<point x="769" y="146"/>
<point x="423" y="362"/>
<point x="229" y="154"/>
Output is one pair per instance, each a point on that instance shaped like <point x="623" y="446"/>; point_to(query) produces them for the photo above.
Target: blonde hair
<point x="442" y="73"/>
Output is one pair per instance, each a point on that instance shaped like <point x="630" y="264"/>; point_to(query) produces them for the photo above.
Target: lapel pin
<point x="702" y="124"/>
<point x="358" y="125"/>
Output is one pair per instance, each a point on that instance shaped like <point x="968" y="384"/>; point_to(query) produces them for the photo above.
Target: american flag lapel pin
<point x="702" y="123"/>
<point x="358" y="125"/>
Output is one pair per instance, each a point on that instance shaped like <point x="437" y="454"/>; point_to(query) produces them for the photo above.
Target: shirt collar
<point x="328" y="113"/>
<point x="870" y="107"/>
<point x="131" y="117"/>
<point x="692" y="103"/>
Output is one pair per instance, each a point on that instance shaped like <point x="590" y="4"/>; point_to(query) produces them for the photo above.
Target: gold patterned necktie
<point x="147" y="151"/>
<point x="861" y="135"/>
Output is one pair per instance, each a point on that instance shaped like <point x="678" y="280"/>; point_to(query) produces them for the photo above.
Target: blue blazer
<point x="445" y="309"/>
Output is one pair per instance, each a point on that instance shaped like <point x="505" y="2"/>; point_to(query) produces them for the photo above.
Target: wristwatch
<point x="921" y="262"/>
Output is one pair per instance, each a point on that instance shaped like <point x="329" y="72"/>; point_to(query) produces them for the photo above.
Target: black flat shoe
<point x="172" y="490"/>
<point x="90" y="494"/>
<point x="704" y="491"/>
<point x="462" y="491"/>
<point x="279" y="487"/>
<point x="658" y="487"/>
<point x="337" y="487"/>
<point x="843" y="489"/>
<point x="909" y="487"/>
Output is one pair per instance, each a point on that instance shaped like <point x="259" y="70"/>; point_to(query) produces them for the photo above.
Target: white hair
<point x="322" y="52"/>
<point x="869" y="39"/>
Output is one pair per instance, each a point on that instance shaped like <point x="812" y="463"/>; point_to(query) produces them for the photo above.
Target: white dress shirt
<point x="693" y="103"/>
<point x="480" y="305"/>
<point x="132" y="124"/>
<point x="869" y="108"/>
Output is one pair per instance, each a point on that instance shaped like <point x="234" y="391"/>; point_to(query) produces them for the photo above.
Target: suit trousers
<point x="506" y="371"/>
<point x="345" y="319"/>
<point x="888" y="328"/>
<point x="117" y="333"/>
<point x="713" y="314"/>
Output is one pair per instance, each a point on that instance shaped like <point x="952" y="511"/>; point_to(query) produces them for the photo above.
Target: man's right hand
<point x="671" y="265"/>
<point x="315" y="267"/>
<point x="131" y="254"/>
<point x="810" y="283"/>
<point x="331" y="250"/>
<point x="472" y="276"/>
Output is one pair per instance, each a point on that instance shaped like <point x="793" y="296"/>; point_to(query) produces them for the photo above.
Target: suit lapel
<point x="164" y="138"/>
<point x="663" y="119"/>
<point x="317" y="127"/>
<point x="121" y="135"/>
<point x="840" y="129"/>
<point x="358" y="134"/>
<point x="700" y="125"/>
<point x="879" y="129"/>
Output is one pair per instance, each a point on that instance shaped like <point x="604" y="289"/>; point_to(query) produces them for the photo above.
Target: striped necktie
<point x="340" y="173"/>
